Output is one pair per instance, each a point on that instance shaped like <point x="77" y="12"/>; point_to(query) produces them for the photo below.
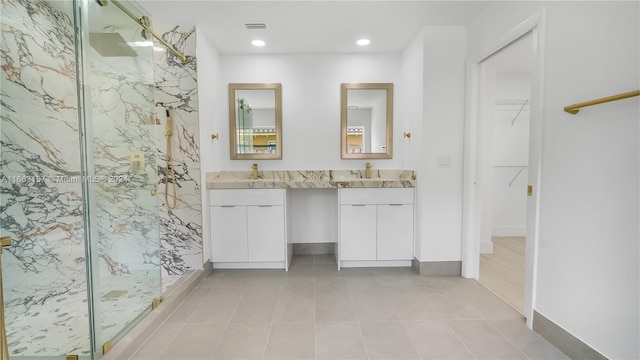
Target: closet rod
<point x="519" y="111"/>
<point x="573" y="109"/>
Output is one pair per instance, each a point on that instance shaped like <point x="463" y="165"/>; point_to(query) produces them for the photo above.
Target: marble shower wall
<point x="120" y="121"/>
<point x="177" y="90"/>
<point x="40" y="205"/>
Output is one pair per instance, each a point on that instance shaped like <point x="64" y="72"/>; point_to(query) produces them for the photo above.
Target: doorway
<point x="487" y="76"/>
<point x="505" y="159"/>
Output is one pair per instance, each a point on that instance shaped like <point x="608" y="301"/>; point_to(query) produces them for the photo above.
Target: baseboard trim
<point x="250" y="265"/>
<point x="314" y="248"/>
<point x="375" y="263"/>
<point x="437" y="268"/>
<point x="563" y="340"/>
<point x="499" y="231"/>
<point x="486" y="247"/>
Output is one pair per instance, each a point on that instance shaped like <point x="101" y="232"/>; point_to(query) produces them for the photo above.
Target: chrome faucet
<point x="367" y="171"/>
<point x="254" y="176"/>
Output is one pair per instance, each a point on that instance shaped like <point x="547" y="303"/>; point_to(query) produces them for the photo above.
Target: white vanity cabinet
<point x="248" y="228"/>
<point x="376" y="226"/>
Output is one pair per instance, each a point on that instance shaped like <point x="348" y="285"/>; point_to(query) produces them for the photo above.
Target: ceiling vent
<point x="256" y="25"/>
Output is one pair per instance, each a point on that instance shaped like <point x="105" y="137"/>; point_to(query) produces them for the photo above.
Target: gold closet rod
<point x="145" y="23"/>
<point x="573" y="109"/>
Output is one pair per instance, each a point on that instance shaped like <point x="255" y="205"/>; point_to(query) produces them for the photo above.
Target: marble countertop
<point x="311" y="179"/>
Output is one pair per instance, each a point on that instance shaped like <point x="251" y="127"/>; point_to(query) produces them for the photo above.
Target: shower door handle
<point x="5" y="241"/>
<point x="4" y="352"/>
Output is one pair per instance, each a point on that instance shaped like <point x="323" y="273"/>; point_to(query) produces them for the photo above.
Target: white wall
<point x="433" y="68"/>
<point x="311" y="106"/>
<point x="211" y="112"/>
<point x="588" y="253"/>
<point x="441" y="139"/>
<point x="410" y="116"/>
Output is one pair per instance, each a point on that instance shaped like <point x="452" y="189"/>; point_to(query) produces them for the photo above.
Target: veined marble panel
<point x="310" y="179"/>
<point x="177" y="91"/>
<point x="40" y="203"/>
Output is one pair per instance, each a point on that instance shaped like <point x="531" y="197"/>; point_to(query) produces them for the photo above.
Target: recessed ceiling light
<point x="258" y="43"/>
<point x="363" y="42"/>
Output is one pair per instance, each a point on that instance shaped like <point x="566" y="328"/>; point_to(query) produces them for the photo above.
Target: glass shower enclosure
<point x="78" y="176"/>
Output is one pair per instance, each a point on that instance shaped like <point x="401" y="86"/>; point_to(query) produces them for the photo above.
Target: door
<point x="119" y="163"/>
<point x="395" y="232"/>
<point x="44" y="273"/>
<point x="265" y="237"/>
<point x="358" y="232"/>
<point x="229" y="233"/>
<point x="84" y="261"/>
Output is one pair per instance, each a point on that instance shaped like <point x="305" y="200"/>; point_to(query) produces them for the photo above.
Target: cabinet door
<point x="265" y="226"/>
<point x="229" y="233"/>
<point x="395" y="232"/>
<point x="358" y="232"/>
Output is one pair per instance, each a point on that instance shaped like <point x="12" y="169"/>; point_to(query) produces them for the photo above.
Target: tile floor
<point x="316" y="312"/>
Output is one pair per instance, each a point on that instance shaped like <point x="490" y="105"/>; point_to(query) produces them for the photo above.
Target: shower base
<point x="60" y="326"/>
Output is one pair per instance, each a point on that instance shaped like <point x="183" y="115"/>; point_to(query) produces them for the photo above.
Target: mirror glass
<point x="367" y="120"/>
<point x="255" y="121"/>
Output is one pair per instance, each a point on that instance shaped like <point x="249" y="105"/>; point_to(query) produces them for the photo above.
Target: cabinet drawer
<point x="246" y="197"/>
<point x="376" y="196"/>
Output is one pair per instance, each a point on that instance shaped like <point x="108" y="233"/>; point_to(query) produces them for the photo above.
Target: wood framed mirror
<point x="255" y="121"/>
<point x="366" y="111"/>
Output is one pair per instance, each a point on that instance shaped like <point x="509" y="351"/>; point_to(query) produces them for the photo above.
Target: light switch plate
<point x="443" y="161"/>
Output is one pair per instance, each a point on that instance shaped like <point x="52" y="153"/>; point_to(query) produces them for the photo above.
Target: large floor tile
<point x="456" y="310"/>
<point x="236" y="278"/>
<point x="409" y="303"/>
<point x="328" y="275"/>
<point x="194" y="341"/>
<point x="387" y="340"/>
<point x="334" y="304"/>
<point x="257" y="305"/>
<point x="529" y="342"/>
<point x="267" y="278"/>
<point x="156" y="345"/>
<point x="300" y="275"/>
<point x="486" y="303"/>
<point x="325" y="259"/>
<point x="436" y="340"/>
<point x="218" y="306"/>
<point x="243" y="341"/>
<point x="360" y="277"/>
<point x="339" y="340"/>
<point x="484" y="341"/>
<point x="184" y="311"/>
<point x="372" y="304"/>
<point x="291" y="341"/>
<point x="295" y="304"/>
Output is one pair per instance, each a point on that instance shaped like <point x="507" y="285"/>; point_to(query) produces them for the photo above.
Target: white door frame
<point x="472" y="186"/>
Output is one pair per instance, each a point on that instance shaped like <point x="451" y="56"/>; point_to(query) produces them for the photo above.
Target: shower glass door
<point x="41" y="204"/>
<point x="77" y="176"/>
<point x="120" y="166"/>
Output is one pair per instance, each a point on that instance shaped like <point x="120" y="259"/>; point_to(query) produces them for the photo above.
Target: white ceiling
<point x="311" y="26"/>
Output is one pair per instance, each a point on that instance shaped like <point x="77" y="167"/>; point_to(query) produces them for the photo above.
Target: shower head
<point x="110" y="45"/>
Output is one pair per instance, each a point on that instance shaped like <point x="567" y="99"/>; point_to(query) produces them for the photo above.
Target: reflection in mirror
<point x="367" y="118"/>
<point x="255" y="121"/>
